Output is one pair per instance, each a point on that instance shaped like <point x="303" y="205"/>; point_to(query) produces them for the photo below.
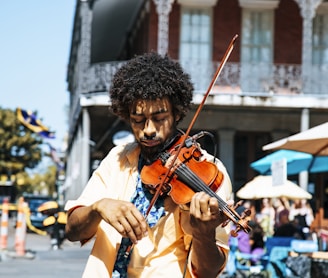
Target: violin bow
<point x="215" y="77"/>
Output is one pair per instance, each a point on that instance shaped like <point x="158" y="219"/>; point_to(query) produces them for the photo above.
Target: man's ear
<point x="177" y="118"/>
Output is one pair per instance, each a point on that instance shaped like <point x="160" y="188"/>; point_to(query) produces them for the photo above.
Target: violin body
<point x="181" y="171"/>
<point x="180" y="188"/>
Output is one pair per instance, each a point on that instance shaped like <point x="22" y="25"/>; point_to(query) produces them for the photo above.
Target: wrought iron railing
<point x="235" y="78"/>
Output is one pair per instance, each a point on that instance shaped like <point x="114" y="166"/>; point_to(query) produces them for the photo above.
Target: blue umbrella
<point x="296" y="162"/>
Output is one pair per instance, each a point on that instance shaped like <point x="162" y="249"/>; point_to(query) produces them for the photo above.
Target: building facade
<point x="273" y="85"/>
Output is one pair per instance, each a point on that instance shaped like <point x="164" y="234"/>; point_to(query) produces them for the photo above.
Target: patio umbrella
<point x="313" y="141"/>
<point x="296" y="162"/>
<point x="261" y="187"/>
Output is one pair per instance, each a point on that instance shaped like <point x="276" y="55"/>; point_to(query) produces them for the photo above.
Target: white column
<point x="305" y="119"/>
<point x="226" y="149"/>
<point x="163" y="8"/>
<point x="308" y="9"/>
<point x="303" y="177"/>
<point x="85" y="151"/>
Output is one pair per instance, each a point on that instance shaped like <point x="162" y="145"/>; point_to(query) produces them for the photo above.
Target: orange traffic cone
<point x="20" y="228"/>
<point x="4" y="224"/>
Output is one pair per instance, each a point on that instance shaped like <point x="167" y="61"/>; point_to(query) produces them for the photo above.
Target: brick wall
<point x="288" y="33"/>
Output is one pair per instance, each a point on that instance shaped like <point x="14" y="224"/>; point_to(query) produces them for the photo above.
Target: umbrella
<point x="313" y="141"/>
<point x="261" y="187"/>
<point x="296" y="162"/>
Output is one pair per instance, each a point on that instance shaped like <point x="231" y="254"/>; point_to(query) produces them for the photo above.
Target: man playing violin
<point x="153" y="94"/>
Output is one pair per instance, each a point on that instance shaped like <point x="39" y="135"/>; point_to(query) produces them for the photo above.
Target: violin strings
<point x="185" y="174"/>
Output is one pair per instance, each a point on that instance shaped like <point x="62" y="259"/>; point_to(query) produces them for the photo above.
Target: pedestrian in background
<point x="266" y="217"/>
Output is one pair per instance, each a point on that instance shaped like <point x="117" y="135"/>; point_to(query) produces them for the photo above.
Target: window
<point x="196" y="45"/>
<point x="320" y="40"/>
<point x="195" y="40"/>
<point x="257" y="36"/>
<point x="256" y="49"/>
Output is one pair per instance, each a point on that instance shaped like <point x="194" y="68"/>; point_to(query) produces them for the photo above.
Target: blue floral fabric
<point x="141" y="199"/>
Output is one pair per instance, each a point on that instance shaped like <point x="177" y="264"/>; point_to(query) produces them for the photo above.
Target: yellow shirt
<point x="163" y="252"/>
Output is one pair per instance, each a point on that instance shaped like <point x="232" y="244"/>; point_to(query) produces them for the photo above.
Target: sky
<point x="34" y="51"/>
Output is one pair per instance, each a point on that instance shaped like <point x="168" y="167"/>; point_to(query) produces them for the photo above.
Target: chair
<point x="277" y="261"/>
<point x="299" y="264"/>
<point x="277" y="241"/>
<point x="272" y="261"/>
<point x="241" y="263"/>
<point x="277" y="249"/>
<point x="304" y="246"/>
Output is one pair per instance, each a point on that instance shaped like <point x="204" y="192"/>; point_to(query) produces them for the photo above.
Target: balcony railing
<point x="235" y="78"/>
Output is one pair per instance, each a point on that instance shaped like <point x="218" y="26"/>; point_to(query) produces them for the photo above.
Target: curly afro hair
<point x="150" y="77"/>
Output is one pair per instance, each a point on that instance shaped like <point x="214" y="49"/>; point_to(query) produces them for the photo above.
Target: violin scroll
<point x="241" y="221"/>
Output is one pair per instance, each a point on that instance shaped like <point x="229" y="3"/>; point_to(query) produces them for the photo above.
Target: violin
<point x="190" y="173"/>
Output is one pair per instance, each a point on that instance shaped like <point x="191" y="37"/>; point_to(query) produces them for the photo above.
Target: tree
<point x="44" y="182"/>
<point x="20" y="148"/>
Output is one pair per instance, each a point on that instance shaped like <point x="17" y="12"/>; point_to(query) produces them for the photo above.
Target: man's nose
<point x="150" y="129"/>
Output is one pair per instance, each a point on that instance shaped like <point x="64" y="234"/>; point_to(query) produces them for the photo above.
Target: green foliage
<point x="19" y="147"/>
<point x="20" y="150"/>
<point x="40" y="183"/>
<point x="45" y="181"/>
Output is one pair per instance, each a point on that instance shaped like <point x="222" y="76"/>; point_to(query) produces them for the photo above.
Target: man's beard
<point x="150" y="154"/>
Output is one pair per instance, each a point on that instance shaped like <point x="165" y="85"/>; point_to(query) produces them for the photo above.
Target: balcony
<point x="235" y="78"/>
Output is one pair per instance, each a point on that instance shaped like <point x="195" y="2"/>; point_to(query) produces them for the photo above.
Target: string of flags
<point x="55" y="158"/>
<point x="31" y="121"/>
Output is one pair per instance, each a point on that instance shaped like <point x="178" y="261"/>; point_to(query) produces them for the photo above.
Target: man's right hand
<point x="123" y="216"/>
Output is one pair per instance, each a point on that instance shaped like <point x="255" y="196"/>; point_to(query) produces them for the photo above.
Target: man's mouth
<point x="150" y="143"/>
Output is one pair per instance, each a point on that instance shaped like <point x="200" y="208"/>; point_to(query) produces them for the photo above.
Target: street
<point x="40" y="260"/>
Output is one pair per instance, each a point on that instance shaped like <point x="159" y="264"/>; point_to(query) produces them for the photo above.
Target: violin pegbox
<point x="241" y="223"/>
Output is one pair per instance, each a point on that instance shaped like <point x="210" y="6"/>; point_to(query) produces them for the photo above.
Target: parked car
<point x="34" y="201"/>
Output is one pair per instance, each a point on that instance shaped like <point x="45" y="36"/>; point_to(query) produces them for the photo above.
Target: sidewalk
<point x="40" y="260"/>
<point x="33" y="242"/>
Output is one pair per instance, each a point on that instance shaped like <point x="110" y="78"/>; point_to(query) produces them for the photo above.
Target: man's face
<point x="153" y="123"/>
